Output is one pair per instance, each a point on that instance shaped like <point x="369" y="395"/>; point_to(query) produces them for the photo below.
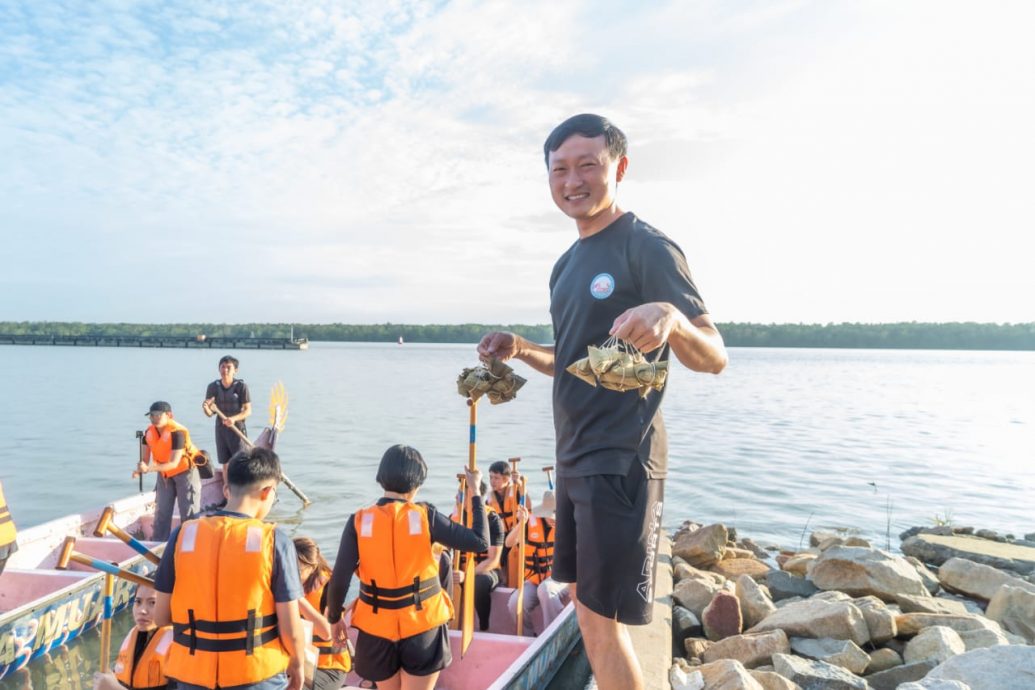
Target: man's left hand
<point x="227" y="422"/>
<point x="647" y="326"/>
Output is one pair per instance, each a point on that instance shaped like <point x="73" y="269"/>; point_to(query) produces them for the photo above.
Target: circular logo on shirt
<point x="602" y="286"/>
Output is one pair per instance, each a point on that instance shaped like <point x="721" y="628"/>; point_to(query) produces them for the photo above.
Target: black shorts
<point x="228" y="443"/>
<point x="421" y="655"/>
<point x="608" y="526"/>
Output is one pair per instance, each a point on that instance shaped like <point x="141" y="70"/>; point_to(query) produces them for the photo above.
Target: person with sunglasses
<point x="166" y="449"/>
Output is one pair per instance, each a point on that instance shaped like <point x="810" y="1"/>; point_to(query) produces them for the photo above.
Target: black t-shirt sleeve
<point x="455" y="535"/>
<point x="496" y="531"/>
<point x="661" y="270"/>
<point x="344" y="566"/>
<point x="179" y="440"/>
<point x="243" y="394"/>
<point x="210" y="391"/>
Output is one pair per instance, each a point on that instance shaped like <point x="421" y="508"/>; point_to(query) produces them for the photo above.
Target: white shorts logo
<point x="646" y="587"/>
<point x="602" y="286"/>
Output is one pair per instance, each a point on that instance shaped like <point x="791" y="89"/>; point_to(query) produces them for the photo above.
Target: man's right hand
<point x="500" y="344"/>
<point x="296" y="673"/>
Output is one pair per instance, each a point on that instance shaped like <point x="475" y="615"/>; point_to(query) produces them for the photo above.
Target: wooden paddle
<point x="140" y="477"/>
<point x="68" y="554"/>
<point x="513" y="565"/>
<point x="458" y="589"/>
<point x="549" y="479"/>
<point x="105" y="524"/>
<point x="109" y="590"/>
<point x="467" y="622"/>
<point x="521" y="566"/>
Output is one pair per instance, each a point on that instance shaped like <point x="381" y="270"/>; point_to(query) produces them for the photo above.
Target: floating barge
<point x="200" y="341"/>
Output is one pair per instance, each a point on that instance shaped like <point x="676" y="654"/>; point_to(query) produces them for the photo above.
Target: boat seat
<point x="19" y="587"/>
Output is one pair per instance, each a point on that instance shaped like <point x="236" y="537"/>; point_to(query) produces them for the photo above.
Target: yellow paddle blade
<point x="278" y="406"/>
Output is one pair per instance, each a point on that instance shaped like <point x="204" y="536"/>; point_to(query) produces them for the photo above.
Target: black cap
<point x="159" y="406"/>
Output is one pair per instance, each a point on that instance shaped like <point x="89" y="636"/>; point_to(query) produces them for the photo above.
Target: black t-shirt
<point x="229" y="400"/>
<point x="628" y="263"/>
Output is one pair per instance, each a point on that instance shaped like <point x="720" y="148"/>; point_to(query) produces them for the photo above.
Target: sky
<point x="371" y="161"/>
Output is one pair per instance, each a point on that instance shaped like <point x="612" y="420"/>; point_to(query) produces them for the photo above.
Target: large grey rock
<point x="816" y="675"/>
<point x="911" y="623"/>
<point x="1014" y="609"/>
<point x="751" y="649"/>
<point x="927" y="684"/>
<point x="681" y="677"/>
<point x="893" y="677"/>
<point x="771" y="680"/>
<point x="784" y="585"/>
<point x="937" y="549"/>
<point x="732" y="568"/>
<point x="860" y="571"/>
<point x="798" y="564"/>
<point x="702" y="547"/>
<point x="841" y="620"/>
<point x="880" y="620"/>
<point x="882" y="659"/>
<point x="979" y="639"/>
<point x="930" y="580"/>
<point x="728" y="674"/>
<point x="977" y="580"/>
<point x="694" y="594"/>
<point x="937" y="642"/>
<point x="843" y="653"/>
<point x="755" y="604"/>
<point x="911" y="604"/>
<point x="993" y="668"/>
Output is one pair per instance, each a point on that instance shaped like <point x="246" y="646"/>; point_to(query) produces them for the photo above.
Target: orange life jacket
<point x="223" y="612"/>
<point x="331" y="657"/>
<point x="8" y="533"/>
<point x="538" y="550"/>
<point x="160" y="444"/>
<point x="149" y="671"/>
<point x="478" y="557"/>
<point x="508" y="513"/>
<point x="399" y="591"/>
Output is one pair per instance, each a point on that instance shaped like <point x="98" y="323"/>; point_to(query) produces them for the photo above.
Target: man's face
<point x="227" y="370"/>
<point x="160" y="419"/>
<point x="583" y="177"/>
<point x="498" y="482"/>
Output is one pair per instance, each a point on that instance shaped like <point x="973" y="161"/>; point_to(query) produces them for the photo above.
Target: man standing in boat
<point x="621" y="278"/>
<point x="231" y="397"/>
<point x="166" y="448"/>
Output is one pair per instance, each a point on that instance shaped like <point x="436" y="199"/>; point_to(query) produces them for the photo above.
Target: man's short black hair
<point x="589" y="126"/>
<point x="253" y="466"/>
<point x="500" y="467"/>
<point x="402" y="469"/>
<point x="229" y="358"/>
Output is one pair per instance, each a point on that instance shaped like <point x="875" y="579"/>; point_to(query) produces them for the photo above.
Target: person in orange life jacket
<point x="334" y="662"/>
<point x="166" y="449"/>
<point x="234" y="400"/>
<point x="229" y="584"/>
<point x="8" y="533"/>
<point x="402" y="610"/>
<point x="141" y="660"/>
<point x="487" y="563"/>
<point x="540" y="588"/>
<point x="504" y="499"/>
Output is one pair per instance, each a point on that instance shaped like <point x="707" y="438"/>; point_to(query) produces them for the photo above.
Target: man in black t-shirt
<point x="230" y="395"/>
<point x="625" y="279"/>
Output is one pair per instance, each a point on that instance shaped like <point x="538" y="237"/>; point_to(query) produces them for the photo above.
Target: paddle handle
<point x="134" y="544"/>
<point x="549" y="477"/>
<point x="110" y="569"/>
<point x="140" y="477"/>
<point x="219" y="413"/>
<point x="521" y="567"/>
<point x="109" y="590"/>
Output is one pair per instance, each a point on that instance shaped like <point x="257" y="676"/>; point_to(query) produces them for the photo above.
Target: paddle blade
<point x="467" y="624"/>
<point x="278" y="406"/>
<point x="267" y="439"/>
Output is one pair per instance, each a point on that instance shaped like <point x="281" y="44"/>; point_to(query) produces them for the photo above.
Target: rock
<point x="755" y="605"/>
<point x="694" y="594"/>
<point x="860" y="571"/>
<point x="684" y="570"/>
<point x="975" y="579"/>
<point x="770" y="680"/>
<point x="979" y="639"/>
<point x="926" y="684"/>
<point x="936" y="549"/>
<point x="912" y="623"/>
<point x="1030" y="536"/>
<point x="843" y="653"/>
<point x="755" y="548"/>
<point x="727" y="674"/>
<point x="798" y="564"/>
<point x="816" y="675"/>
<point x="880" y="620"/>
<point x="681" y="678"/>
<point x="702" y="547"/>
<point x="988" y="534"/>
<point x="751" y="649"/>
<point x="732" y="568"/>
<point x="911" y="604"/>
<point x="696" y="647"/>
<point x="820" y="536"/>
<point x="721" y="618"/>
<point x="841" y="620"/>
<point x="937" y="642"/>
<point x="858" y="541"/>
<point x="994" y="668"/>
<point x="684" y="624"/>
<point x="1014" y="609"/>
<point x="929" y="579"/>
<point x="830" y="542"/>
<point x="893" y="677"/>
<point x="883" y="659"/>
<point x="738" y="552"/>
<point x="784" y="585"/>
<point x="833" y="595"/>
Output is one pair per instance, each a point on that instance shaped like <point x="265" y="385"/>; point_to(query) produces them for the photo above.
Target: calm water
<point x="783" y="438"/>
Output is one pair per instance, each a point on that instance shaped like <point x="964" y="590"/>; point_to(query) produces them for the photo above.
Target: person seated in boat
<point x="487" y="569"/>
<point x="166" y="449"/>
<point x="8" y="533"/>
<point x="141" y="659"/>
<point x="229" y="584"/>
<point x="541" y="590"/>
<point x="504" y="500"/>
<point x="334" y="662"/>
<point x="402" y="610"/>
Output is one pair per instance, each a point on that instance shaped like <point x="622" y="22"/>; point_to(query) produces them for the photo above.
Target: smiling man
<point x="621" y="278"/>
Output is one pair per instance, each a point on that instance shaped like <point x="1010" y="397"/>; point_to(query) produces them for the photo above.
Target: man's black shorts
<point x="608" y="526"/>
<point x="421" y="655"/>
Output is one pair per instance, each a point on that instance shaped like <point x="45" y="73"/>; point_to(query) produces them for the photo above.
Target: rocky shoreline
<point x="956" y="611"/>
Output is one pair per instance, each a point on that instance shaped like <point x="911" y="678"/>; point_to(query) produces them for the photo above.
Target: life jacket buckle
<point x="416" y="592"/>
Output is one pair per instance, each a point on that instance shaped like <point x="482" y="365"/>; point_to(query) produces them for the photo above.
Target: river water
<point x="783" y="440"/>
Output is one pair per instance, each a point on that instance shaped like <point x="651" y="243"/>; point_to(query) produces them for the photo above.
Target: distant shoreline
<point x="898" y="336"/>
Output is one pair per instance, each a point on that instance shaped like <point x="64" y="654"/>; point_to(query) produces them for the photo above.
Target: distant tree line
<point x="908" y="335"/>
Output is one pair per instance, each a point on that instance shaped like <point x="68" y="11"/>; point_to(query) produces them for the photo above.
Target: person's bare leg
<point x="610" y="651"/>
<point x="417" y="682"/>
<point x="393" y="683"/>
